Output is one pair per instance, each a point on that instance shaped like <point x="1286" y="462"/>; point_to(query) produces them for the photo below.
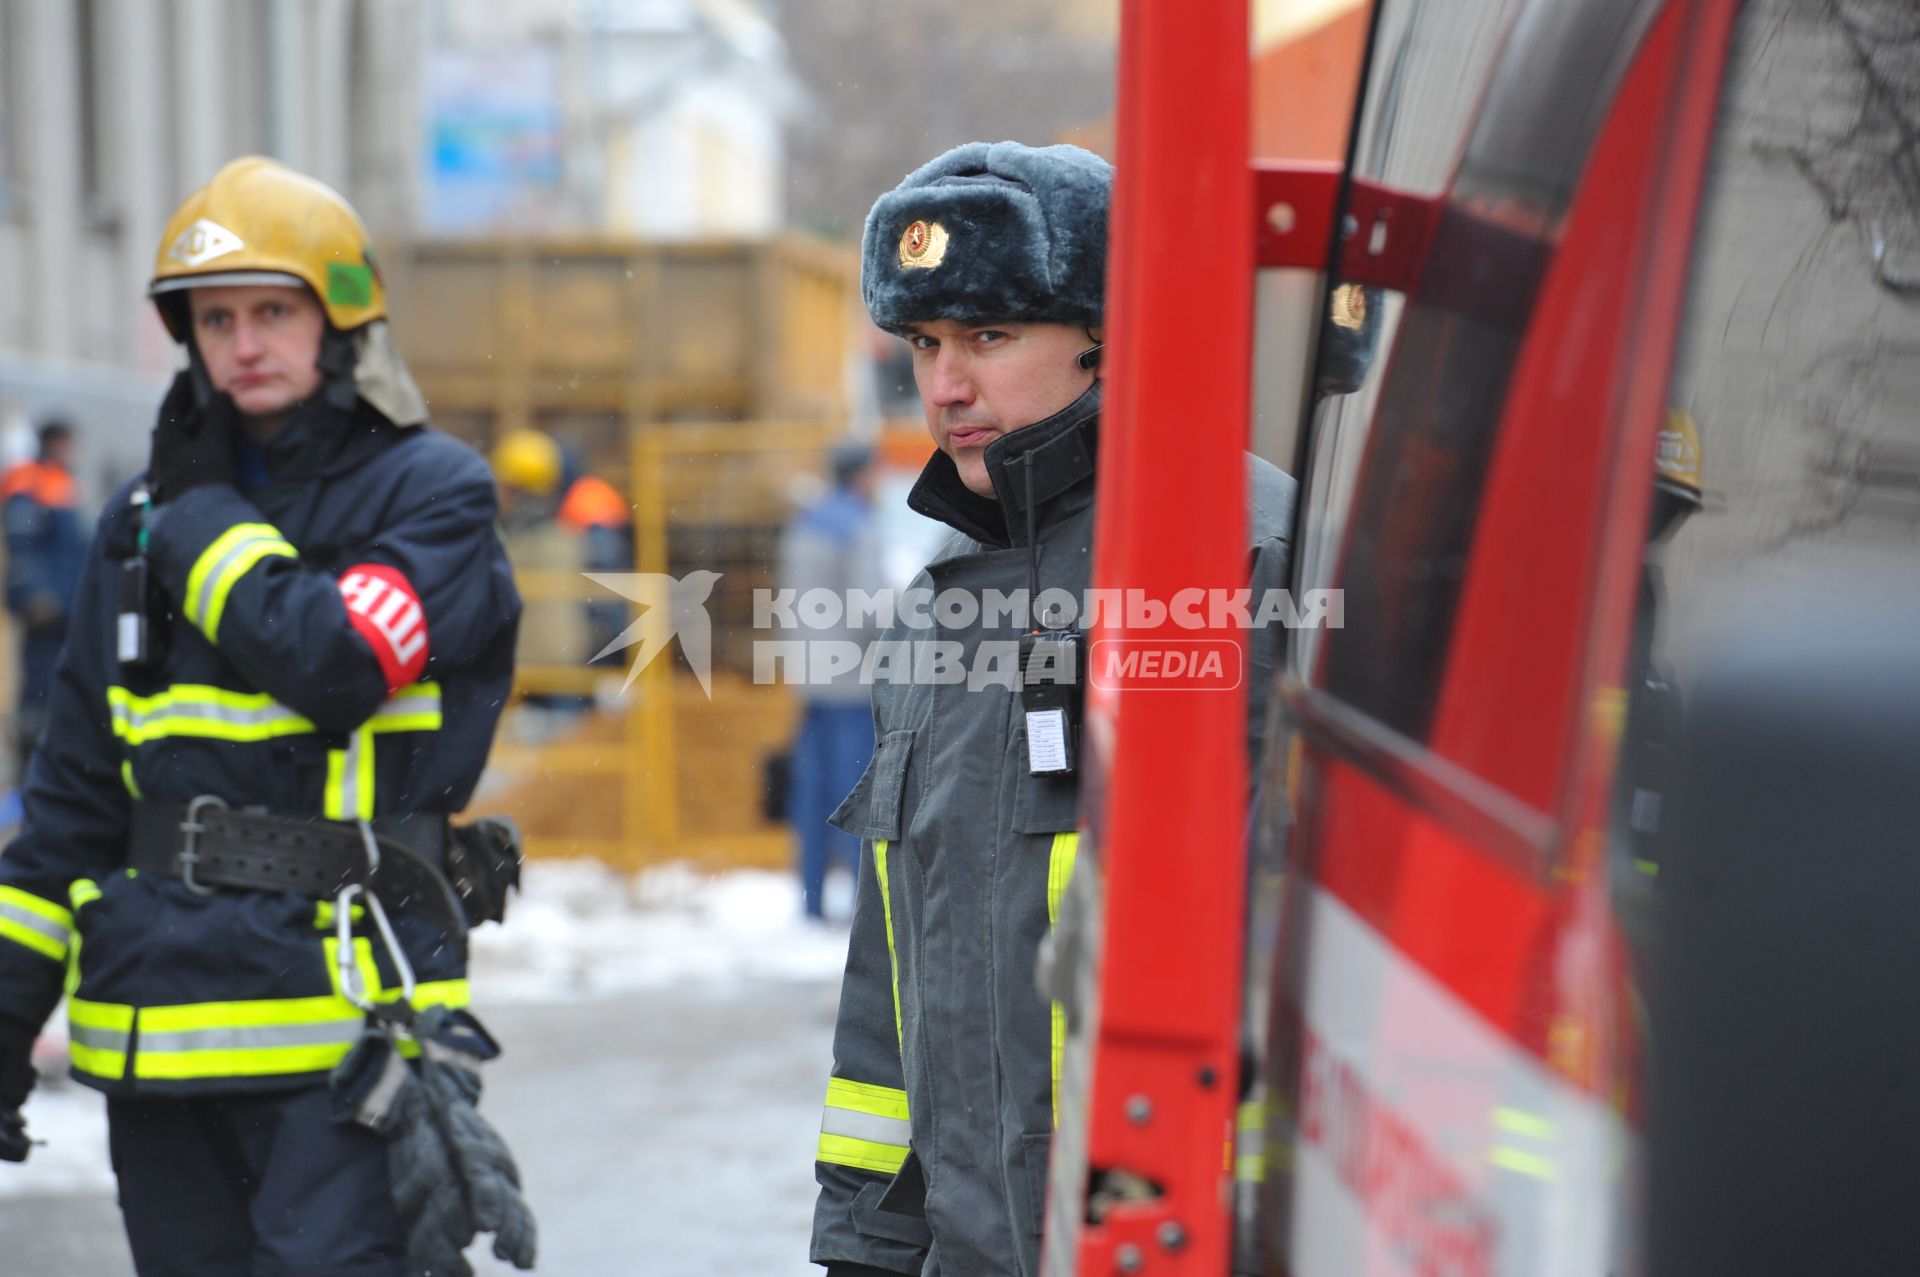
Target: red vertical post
<point x="1171" y="518"/>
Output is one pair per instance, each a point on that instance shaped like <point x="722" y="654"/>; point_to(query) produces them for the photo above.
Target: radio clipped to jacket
<point x="1050" y="662"/>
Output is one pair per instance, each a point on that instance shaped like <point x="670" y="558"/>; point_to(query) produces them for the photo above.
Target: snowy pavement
<point x="667" y="1043"/>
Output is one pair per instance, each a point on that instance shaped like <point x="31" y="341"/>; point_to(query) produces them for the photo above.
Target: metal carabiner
<point x="345" y="957"/>
<point x="189" y="854"/>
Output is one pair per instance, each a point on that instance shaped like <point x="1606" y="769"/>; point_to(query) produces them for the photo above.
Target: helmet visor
<point x="225" y="279"/>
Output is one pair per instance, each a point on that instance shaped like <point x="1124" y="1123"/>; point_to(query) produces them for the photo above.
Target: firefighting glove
<point x="452" y="1175"/>
<point x="16" y="1082"/>
<point x="192" y="445"/>
<point x="485" y="1166"/>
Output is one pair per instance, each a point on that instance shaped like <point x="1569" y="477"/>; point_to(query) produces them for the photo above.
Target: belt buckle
<point x="189" y="854"/>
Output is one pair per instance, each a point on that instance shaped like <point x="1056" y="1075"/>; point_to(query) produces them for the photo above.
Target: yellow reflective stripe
<point x="211" y="556"/>
<point x="182" y="1066"/>
<point x="864" y="1126"/>
<point x="1519" y="1122"/>
<point x="1249" y="1144"/>
<point x="362" y="961"/>
<point x="1532" y="1164"/>
<point x="349" y="792"/>
<point x="325" y="916"/>
<point x="190" y="1017"/>
<point x="1059" y="871"/>
<point x="34" y="923"/>
<point x="82" y="892"/>
<point x="230" y="575"/>
<point x="893" y="957"/>
<point x="97" y="1034"/>
<point x="411" y="709"/>
<point x="866" y="1097"/>
<point x="28" y="937"/>
<point x="842" y="1150"/>
<point x="1066" y="847"/>
<point x="193" y="709"/>
<point x="220" y="567"/>
<point x="39" y="907"/>
<point x="126" y="778"/>
<point x="260" y="1039"/>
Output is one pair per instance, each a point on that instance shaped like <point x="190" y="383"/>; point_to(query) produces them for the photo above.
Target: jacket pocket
<point x="875" y="1220"/>
<point x="872" y="810"/>
<point x="1044" y="804"/>
<point x="1033" y="1155"/>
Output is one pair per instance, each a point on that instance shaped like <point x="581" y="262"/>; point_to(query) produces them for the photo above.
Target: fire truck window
<point x="1487" y="114"/>
<point x="1790" y="453"/>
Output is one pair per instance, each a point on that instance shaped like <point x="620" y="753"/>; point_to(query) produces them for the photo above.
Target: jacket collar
<point x="1061" y="451"/>
<point x="321" y="440"/>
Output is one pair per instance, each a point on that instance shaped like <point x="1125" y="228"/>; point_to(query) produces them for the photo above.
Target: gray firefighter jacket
<point x="940" y="1108"/>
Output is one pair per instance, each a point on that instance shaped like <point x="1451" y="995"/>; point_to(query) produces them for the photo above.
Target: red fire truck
<point x="1569" y="930"/>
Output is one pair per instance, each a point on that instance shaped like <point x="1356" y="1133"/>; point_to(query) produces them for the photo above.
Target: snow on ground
<point x="578" y="931"/>
<point x="71" y="1121"/>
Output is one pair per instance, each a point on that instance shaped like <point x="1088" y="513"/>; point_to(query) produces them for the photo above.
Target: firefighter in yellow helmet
<point x="554" y="630"/>
<point x="1651" y="714"/>
<point x="290" y="643"/>
<point x="528" y="462"/>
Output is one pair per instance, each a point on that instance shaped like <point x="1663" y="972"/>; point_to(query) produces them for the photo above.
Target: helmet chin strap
<point x="203" y="391"/>
<point x="336" y="365"/>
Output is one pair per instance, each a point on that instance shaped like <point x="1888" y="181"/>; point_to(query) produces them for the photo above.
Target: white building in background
<point x="660" y="119"/>
<point x="651" y="118"/>
<point x="111" y="111"/>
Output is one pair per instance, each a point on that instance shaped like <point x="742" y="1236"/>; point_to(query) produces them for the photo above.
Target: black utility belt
<point x="207" y="845"/>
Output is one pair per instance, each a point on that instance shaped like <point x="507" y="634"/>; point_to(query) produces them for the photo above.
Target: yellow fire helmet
<point x="1676" y="457"/>
<point x="259" y="222"/>
<point x="528" y="460"/>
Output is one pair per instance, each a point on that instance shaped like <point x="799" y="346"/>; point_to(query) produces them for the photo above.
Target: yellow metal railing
<point x="636" y="756"/>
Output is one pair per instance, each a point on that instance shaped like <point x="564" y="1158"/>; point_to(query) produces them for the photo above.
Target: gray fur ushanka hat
<point x="991" y="233"/>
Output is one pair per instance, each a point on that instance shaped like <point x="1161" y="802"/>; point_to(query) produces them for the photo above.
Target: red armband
<point x="386" y="611"/>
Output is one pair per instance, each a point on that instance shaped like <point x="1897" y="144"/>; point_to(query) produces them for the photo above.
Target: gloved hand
<point x="485" y="1165"/>
<point x="192" y="446"/>
<point x="451" y="1173"/>
<point x="16" y="1082"/>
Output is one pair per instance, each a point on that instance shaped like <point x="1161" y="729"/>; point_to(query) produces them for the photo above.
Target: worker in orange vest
<point x="46" y="545"/>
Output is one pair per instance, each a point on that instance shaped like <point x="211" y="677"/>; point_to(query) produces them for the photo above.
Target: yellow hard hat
<point x="1676" y="457"/>
<point x="528" y="460"/>
<point x="259" y="222"/>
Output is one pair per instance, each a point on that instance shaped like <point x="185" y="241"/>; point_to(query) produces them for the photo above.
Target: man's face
<point x="261" y="344"/>
<point x="978" y="382"/>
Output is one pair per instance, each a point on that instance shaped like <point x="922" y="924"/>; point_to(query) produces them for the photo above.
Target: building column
<point x="200" y="77"/>
<point x="329" y="91"/>
<point x="139" y="161"/>
<point x="51" y="133"/>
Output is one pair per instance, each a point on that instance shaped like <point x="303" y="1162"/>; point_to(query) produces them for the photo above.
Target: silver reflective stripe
<point x="409" y="701"/>
<point x="98" y="1039"/>
<point x="350" y="777"/>
<point x="210" y="584"/>
<point x="129" y="718"/>
<point x="865" y="1126"/>
<point x="251" y="1037"/>
<point x="54" y="931"/>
